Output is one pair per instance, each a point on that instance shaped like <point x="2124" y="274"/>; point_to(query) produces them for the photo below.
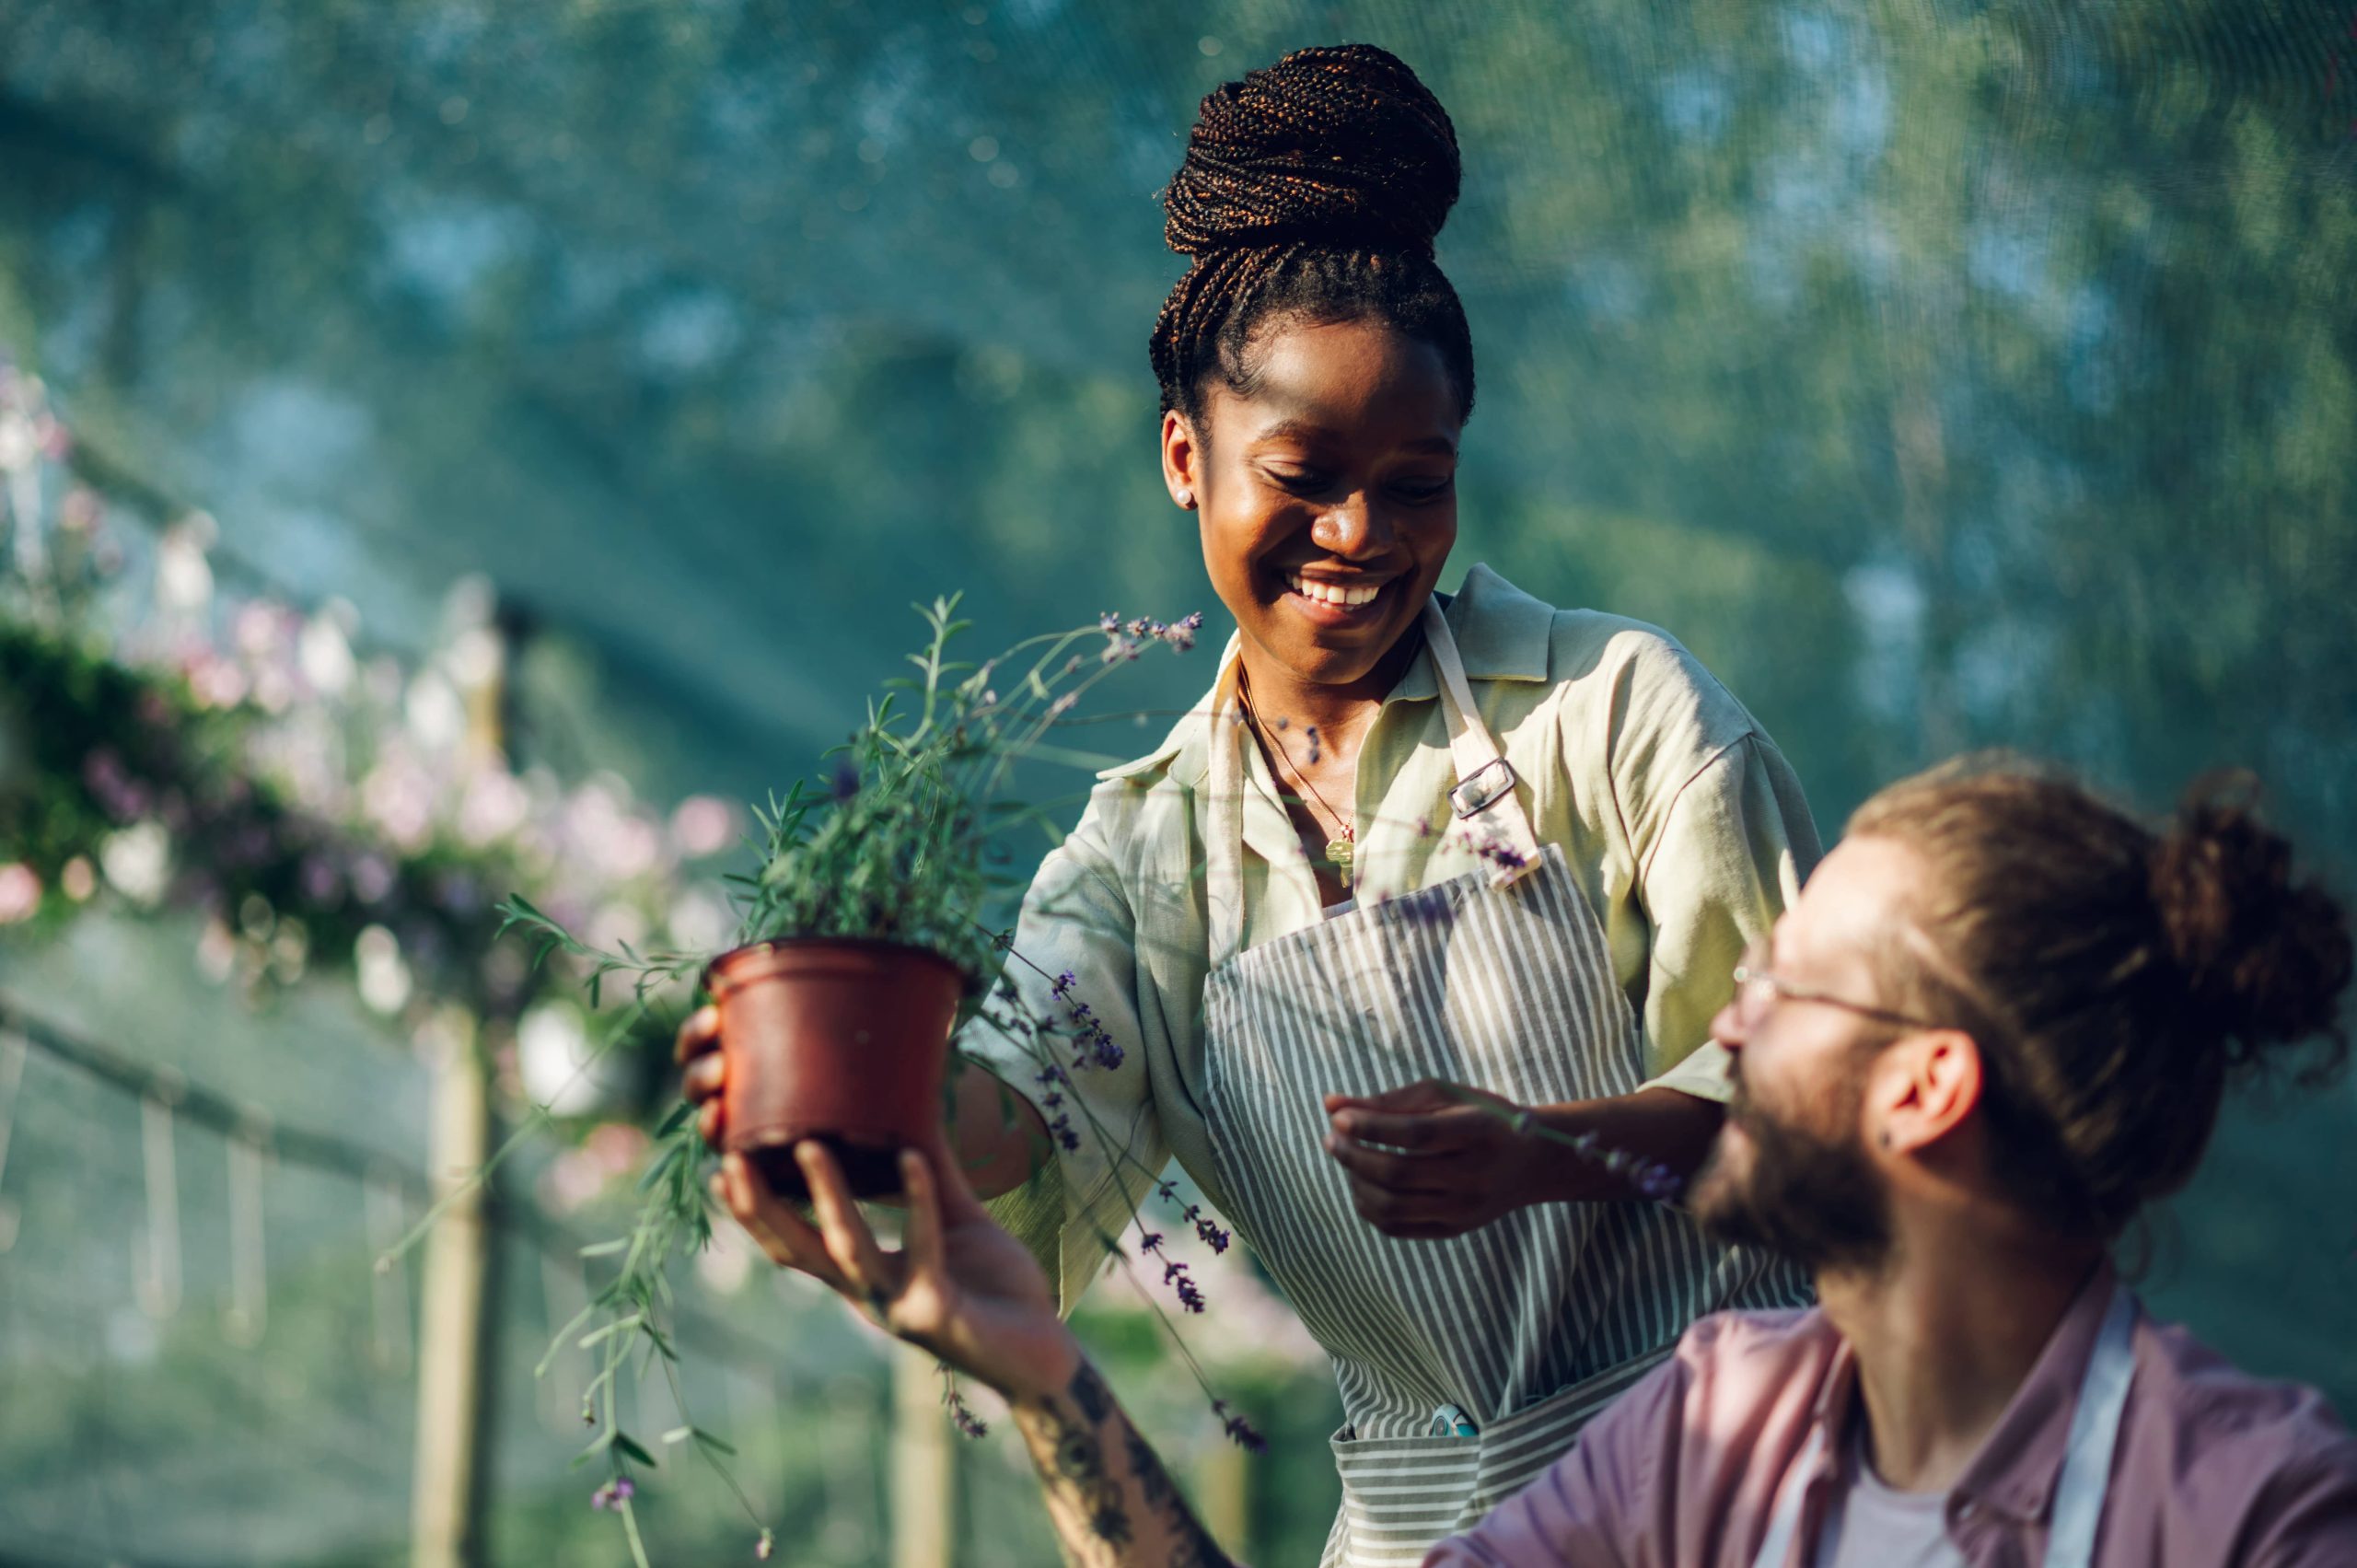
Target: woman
<point x="1404" y="845"/>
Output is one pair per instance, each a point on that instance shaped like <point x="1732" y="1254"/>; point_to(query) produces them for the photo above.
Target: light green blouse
<point x="1683" y="823"/>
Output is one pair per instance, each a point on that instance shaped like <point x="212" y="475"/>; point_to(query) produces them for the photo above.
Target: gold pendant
<point x="1339" y="852"/>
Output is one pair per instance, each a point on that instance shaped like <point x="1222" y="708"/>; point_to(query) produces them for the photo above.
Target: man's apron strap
<point x="2086" y="1462"/>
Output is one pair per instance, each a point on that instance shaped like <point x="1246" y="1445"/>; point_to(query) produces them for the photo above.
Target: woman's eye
<point x="1424" y="490"/>
<point x="1301" y="481"/>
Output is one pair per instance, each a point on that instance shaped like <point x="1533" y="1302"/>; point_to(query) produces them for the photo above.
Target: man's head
<point x="2002" y="994"/>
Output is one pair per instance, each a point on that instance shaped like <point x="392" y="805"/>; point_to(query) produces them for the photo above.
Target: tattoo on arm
<point x="1132" y="1515"/>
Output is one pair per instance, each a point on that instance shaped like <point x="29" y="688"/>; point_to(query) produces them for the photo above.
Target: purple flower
<point x="1504" y="855"/>
<point x="1239" y="1430"/>
<point x="845" y="782"/>
<point x="1109" y="623"/>
<point x="767" y="1544"/>
<point x="966" y="1423"/>
<point x="1063" y="986"/>
<point x="1174" y="1274"/>
<point x="1658" y="1182"/>
<point x="614" y="1493"/>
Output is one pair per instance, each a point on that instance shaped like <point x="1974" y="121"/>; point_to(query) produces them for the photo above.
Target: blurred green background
<point x="1943" y="373"/>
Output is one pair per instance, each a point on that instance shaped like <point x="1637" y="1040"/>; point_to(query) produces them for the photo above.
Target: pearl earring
<point x="1185" y="498"/>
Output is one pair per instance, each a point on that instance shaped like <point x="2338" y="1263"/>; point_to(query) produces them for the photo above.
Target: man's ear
<point x="1925" y="1086"/>
<point x="1182" y="461"/>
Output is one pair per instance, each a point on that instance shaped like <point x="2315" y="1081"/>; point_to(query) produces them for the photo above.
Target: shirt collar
<point x="1501" y="634"/>
<point x="2020" y="1461"/>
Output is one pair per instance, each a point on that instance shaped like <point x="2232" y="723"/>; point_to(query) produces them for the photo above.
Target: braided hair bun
<point x="1327" y="147"/>
<point x="1312" y="191"/>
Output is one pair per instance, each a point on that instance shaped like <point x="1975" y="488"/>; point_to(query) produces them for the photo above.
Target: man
<point x="1999" y="1019"/>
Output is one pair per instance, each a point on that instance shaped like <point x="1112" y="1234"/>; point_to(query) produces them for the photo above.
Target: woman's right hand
<point x="961" y="1287"/>
<point x="702" y="1071"/>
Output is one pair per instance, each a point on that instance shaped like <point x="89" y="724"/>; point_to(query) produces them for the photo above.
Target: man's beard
<point x="1816" y="1199"/>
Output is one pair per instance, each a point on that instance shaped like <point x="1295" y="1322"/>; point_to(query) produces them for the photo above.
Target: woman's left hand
<point x="1432" y="1159"/>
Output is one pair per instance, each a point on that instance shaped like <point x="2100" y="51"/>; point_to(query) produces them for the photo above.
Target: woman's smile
<point x="1327" y="601"/>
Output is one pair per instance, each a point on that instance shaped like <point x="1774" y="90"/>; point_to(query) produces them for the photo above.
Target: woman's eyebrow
<point x="1310" y="434"/>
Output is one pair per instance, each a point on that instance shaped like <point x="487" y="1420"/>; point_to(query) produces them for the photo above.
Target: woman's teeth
<point x="1332" y="593"/>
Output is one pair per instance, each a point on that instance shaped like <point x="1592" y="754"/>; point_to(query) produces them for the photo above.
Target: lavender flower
<point x="845" y="780"/>
<point x="1174" y="1274"/>
<point x="1504" y="855"/>
<point x="1658" y="1182"/>
<point x="966" y="1423"/>
<point x="1181" y="635"/>
<point x="1240" y="1431"/>
<point x="614" y="1493"/>
<point x="1207" y="1233"/>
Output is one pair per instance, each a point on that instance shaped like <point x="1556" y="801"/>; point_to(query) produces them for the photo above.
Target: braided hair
<point x="1312" y="191"/>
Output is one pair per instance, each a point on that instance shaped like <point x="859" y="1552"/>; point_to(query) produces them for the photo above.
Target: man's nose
<point x="1726" y="1025"/>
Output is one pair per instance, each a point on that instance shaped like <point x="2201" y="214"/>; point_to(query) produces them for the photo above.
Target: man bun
<point x="2265" y="959"/>
<point x="2115" y="978"/>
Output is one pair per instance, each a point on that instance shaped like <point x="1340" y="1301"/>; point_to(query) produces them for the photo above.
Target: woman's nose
<point x="1350" y="528"/>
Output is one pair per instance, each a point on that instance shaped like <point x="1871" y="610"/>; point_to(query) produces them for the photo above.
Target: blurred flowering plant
<point x="165" y="743"/>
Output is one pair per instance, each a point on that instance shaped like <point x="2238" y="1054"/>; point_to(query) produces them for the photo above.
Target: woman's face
<point x="1328" y="496"/>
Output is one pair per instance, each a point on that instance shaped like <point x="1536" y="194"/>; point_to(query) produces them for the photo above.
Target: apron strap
<point x="1785" y="1522"/>
<point x="2095" y="1434"/>
<point x="2086" y="1462"/>
<point x="1490" y="818"/>
<point x="1224" y="851"/>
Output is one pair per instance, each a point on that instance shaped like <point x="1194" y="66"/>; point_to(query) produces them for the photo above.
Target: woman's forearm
<point x="1659" y="1126"/>
<point x="996" y="1133"/>
<point x="1111" y="1500"/>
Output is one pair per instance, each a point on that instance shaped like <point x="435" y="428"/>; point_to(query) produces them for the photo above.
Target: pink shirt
<point x="2213" y="1467"/>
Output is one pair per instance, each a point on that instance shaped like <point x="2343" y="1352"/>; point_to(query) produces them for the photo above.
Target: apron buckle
<point x="1480" y="790"/>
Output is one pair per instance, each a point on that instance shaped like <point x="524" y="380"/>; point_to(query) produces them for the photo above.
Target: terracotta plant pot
<point x="835" y="1038"/>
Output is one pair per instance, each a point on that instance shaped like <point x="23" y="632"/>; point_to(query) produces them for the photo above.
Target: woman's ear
<point x="1182" y="457"/>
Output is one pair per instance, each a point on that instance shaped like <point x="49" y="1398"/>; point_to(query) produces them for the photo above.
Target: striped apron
<point x="1466" y="1365"/>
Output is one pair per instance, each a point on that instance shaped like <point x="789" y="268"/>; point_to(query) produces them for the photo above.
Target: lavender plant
<point x="894" y="844"/>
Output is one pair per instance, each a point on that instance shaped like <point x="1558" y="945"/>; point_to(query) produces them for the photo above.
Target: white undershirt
<point x="1870" y="1524"/>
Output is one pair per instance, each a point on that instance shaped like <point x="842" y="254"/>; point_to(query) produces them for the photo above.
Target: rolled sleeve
<point x="1076" y="921"/>
<point x="1726" y="861"/>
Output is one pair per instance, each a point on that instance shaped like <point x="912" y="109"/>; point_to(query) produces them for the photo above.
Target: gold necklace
<point x="1338" y="850"/>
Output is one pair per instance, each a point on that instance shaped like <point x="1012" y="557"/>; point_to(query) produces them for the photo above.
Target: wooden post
<point x="1223" y="1494"/>
<point x="924" y="1465"/>
<point x="456" y="1317"/>
<point x="443" y="1496"/>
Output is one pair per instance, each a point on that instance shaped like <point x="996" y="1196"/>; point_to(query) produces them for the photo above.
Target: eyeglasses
<point x="1755" y="991"/>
